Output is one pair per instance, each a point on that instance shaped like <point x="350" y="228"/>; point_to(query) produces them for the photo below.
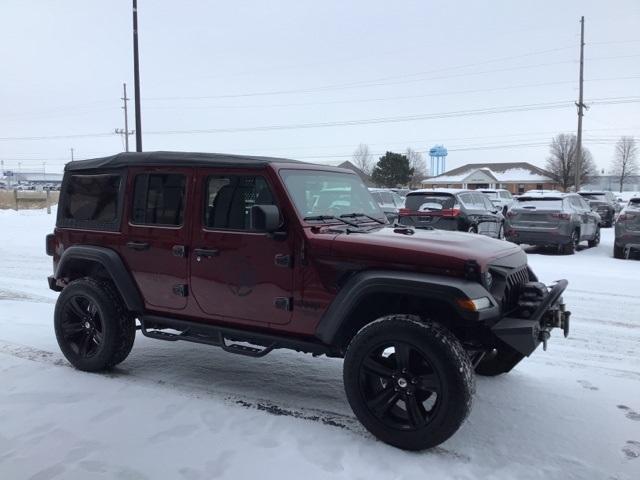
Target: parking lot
<point x="177" y="410"/>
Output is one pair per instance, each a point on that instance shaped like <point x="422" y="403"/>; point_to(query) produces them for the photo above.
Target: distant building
<point x="34" y="178"/>
<point x="612" y="183"/>
<point x="365" y="178"/>
<point x="517" y="177"/>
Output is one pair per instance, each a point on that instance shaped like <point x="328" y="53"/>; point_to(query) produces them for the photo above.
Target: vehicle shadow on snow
<point x="550" y="251"/>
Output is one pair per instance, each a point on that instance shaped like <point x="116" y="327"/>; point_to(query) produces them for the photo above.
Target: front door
<point x="237" y="273"/>
<point x="157" y="234"/>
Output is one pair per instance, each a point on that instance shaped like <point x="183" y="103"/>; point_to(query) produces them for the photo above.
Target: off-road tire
<point x="618" y="252"/>
<point x="498" y="362"/>
<point x="119" y="328"/>
<point x="595" y="241"/>
<point x="448" y="361"/>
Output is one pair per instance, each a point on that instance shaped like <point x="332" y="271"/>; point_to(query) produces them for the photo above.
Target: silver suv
<point x="627" y="240"/>
<point x="560" y="220"/>
<point x="500" y="198"/>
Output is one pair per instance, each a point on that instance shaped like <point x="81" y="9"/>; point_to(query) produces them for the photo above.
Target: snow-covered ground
<point x="186" y="411"/>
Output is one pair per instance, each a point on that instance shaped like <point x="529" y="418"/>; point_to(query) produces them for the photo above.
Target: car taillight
<point x="626" y="216"/>
<point x="561" y="216"/>
<point x="511" y="214"/>
<point x="404" y="212"/>
<point x="450" y="212"/>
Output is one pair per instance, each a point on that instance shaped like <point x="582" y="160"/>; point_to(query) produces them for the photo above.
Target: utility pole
<point x="136" y="78"/>
<point x="580" y="106"/>
<point x="126" y="132"/>
<point x="71" y="154"/>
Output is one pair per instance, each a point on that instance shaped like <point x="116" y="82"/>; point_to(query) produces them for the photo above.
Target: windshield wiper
<point x="330" y="217"/>
<point x="354" y="215"/>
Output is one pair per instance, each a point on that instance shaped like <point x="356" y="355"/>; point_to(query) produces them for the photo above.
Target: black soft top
<point x="182" y="159"/>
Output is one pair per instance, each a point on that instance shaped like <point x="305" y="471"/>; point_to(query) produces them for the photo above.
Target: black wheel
<point x="618" y="252"/>
<point x="473" y="229"/>
<point x="410" y="383"/>
<point x="92" y="327"/>
<point x="498" y="361"/>
<point x="595" y="241"/>
<point x="501" y="232"/>
<point x="571" y="247"/>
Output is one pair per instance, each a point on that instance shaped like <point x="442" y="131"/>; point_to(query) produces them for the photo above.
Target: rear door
<point x="237" y="273"/>
<point x="157" y="234"/>
<point x="480" y="211"/>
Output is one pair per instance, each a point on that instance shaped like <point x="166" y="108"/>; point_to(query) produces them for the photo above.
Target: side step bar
<point x="152" y="325"/>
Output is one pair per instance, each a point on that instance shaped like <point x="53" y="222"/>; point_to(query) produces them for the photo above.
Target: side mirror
<point x="264" y="218"/>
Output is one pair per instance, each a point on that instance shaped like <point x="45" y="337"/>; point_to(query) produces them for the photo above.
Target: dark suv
<point x="604" y="203"/>
<point x="451" y="209"/>
<point x="252" y="254"/>
<point x="627" y="239"/>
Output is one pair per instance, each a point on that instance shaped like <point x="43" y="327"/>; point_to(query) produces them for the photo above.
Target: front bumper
<point x="525" y="334"/>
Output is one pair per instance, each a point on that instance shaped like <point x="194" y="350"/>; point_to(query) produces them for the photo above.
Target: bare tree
<point x="419" y="166"/>
<point x="562" y="161"/>
<point x="362" y="158"/>
<point x="625" y="161"/>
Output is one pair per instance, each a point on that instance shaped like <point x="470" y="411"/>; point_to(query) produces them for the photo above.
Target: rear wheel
<point x="595" y="241"/>
<point x="409" y="383"/>
<point x="571" y="247"/>
<point x="501" y="231"/>
<point x="92" y="327"/>
<point x="473" y="229"/>
<point x="618" y="252"/>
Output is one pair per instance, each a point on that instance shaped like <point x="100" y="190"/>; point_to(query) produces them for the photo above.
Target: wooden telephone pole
<point x="580" y="106"/>
<point x="136" y="78"/>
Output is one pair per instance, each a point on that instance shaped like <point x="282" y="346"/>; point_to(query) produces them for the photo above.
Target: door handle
<point x="138" y="245"/>
<point x="201" y="253"/>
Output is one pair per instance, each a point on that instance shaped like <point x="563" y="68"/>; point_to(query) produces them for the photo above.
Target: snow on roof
<point x="507" y="172"/>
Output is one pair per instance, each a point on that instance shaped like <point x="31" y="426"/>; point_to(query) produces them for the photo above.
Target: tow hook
<point x="544" y="336"/>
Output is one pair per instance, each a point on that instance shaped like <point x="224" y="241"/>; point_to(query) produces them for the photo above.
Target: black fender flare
<point x="113" y="265"/>
<point x="434" y="287"/>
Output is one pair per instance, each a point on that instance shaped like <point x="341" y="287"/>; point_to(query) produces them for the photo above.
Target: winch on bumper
<point x="539" y="311"/>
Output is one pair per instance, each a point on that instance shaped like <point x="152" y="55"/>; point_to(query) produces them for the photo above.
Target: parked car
<point x="247" y="254"/>
<point x="560" y="220"/>
<point x="451" y="209"/>
<point x="389" y="201"/>
<point x="500" y="198"/>
<point x="603" y="202"/>
<point x="627" y="231"/>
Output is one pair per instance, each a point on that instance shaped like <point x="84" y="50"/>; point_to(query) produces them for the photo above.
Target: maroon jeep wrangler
<point x="252" y="254"/>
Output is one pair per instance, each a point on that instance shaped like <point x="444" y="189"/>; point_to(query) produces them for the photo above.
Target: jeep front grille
<point x="514" y="282"/>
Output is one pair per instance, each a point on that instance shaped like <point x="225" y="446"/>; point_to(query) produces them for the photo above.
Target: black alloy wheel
<point x="409" y="382"/>
<point x="82" y="326"/>
<point x="595" y="241"/>
<point x="400" y="386"/>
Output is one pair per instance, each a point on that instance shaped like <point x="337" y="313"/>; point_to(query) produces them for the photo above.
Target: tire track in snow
<point x="331" y="419"/>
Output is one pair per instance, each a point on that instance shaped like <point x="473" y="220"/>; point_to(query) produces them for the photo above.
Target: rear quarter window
<point x="91" y="202"/>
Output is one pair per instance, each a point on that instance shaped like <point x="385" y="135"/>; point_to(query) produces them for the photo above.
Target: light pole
<point x="136" y="78"/>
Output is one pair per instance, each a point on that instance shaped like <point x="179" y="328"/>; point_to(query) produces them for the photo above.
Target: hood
<point x="437" y="251"/>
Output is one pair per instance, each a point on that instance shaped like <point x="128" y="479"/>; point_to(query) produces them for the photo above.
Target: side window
<point x="505" y="195"/>
<point x="376" y="197"/>
<point x="387" y="198"/>
<point x="478" y="201"/>
<point x="158" y="199"/>
<point x="466" y="199"/>
<point x="575" y="202"/>
<point x="228" y="199"/>
<point x="91" y="201"/>
<point x="488" y="204"/>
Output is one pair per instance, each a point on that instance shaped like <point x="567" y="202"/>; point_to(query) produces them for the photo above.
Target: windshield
<point x="541" y="203"/>
<point x="317" y="193"/>
<point x="417" y="200"/>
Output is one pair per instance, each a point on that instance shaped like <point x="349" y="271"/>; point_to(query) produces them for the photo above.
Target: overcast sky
<point x="377" y="72"/>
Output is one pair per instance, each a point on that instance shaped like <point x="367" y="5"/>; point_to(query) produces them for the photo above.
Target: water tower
<point x="438" y="156"/>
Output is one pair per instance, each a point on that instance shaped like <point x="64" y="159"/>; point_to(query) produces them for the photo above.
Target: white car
<point x="500" y="198"/>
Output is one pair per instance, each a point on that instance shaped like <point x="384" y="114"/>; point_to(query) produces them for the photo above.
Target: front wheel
<point x="618" y="252"/>
<point x="409" y="383"/>
<point x="571" y="247"/>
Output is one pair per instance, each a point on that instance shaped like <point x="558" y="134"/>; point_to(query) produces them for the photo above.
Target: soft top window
<point x="90" y="201"/>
